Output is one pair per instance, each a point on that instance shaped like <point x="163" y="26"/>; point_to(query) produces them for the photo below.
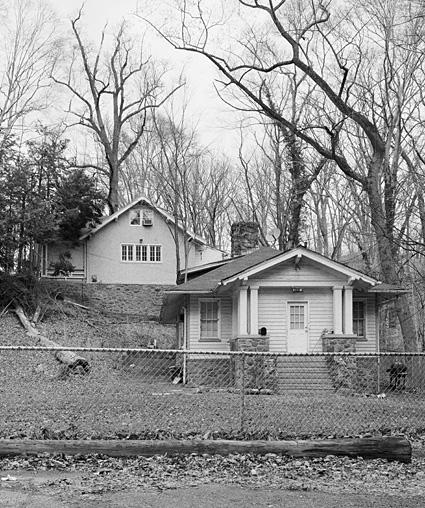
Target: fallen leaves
<point x="330" y="474"/>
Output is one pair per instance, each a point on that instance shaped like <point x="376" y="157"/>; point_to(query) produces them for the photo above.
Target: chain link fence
<point x="158" y="394"/>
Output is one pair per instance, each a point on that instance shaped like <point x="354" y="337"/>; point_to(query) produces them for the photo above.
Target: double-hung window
<point x="209" y="311"/>
<point x="127" y="252"/>
<point x="359" y="318"/>
<point x="141" y="253"/>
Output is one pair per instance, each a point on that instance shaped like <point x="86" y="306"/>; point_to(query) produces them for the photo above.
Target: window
<point x="141" y="253"/>
<point x="135" y="217"/>
<point x="147" y="217"/>
<point x="141" y="217"/>
<point x="296" y="317"/>
<point x="209" y="320"/>
<point x="155" y="253"/>
<point x="359" y="318"/>
<point x="126" y="252"/>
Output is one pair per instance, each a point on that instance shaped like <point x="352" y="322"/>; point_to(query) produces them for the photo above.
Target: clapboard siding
<point x="272" y="310"/>
<point x="320" y="316"/>
<point x="271" y="314"/>
<point x="225" y="324"/>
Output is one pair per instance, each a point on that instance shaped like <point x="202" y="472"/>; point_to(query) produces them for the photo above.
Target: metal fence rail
<point x="149" y="393"/>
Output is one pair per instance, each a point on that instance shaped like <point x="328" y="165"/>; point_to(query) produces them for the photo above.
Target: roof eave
<point x="189" y="292"/>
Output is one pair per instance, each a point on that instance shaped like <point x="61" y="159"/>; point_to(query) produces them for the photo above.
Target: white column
<point x="337" y="293"/>
<point x="348" y="310"/>
<point x="253" y="310"/>
<point x="243" y="310"/>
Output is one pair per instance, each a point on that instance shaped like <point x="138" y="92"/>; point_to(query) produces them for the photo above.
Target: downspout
<point x="378" y="334"/>
<point x="86" y="259"/>
<point x="185" y="348"/>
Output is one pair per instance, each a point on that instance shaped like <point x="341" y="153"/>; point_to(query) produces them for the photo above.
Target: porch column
<point x="337" y="293"/>
<point x="253" y="310"/>
<point x="243" y="311"/>
<point x="348" y="310"/>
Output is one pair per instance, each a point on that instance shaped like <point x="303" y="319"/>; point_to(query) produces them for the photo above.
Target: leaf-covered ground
<point x="96" y="474"/>
<point x="37" y="402"/>
<point x="118" y="399"/>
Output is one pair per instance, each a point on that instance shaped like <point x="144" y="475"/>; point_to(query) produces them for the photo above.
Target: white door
<point x="297" y="328"/>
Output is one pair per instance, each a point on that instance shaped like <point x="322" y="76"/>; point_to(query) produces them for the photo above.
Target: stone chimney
<point x="244" y="238"/>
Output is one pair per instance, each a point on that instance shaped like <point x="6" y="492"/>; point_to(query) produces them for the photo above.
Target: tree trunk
<point x="68" y="358"/>
<point x="389" y="261"/>
<point x="113" y="194"/>
<point x="390" y="448"/>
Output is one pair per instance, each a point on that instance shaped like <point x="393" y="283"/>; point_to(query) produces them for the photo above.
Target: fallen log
<point x="71" y="360"/>
<point x="389" y="448"/>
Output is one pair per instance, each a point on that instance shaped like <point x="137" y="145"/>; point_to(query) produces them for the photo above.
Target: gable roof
<point x="211" y="280"/>
<point x="143" y="201"/>
<point x="258" y="261"/>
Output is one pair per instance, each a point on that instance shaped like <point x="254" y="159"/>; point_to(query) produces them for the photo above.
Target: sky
<point x="207" y="111"/>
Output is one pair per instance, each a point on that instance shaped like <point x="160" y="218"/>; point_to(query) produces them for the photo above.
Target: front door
<point x="297" y="327"/>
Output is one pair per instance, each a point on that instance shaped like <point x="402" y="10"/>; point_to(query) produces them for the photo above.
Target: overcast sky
<point x="206" y="108"/>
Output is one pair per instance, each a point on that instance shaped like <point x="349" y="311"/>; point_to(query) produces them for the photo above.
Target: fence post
<point x="185" y="367"/>
<point x="242" y="401"/>
<point x="378" y="362"/>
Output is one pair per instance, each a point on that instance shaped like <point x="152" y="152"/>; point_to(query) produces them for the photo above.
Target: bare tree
<point x="277" y="176"/>
<point x="30" y="47"/>
<point x="361" y="68"/>
<point x="122" y="92"/>
<point x="176" y="166"/>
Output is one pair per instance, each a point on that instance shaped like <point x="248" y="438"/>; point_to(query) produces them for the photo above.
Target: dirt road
<point x="61" y="490"/>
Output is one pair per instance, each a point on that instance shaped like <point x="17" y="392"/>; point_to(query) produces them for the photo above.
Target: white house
<point x="297" y="301"/>
<point x="135" y="245"/>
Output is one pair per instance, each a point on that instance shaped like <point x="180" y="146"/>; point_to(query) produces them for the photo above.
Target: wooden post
<point x="389" y="448"/>
<point x="242" y="407"/>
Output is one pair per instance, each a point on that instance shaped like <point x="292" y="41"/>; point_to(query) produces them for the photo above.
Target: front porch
<point x="294" y="326"/>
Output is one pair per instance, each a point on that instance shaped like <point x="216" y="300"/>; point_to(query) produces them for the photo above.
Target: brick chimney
<point x="244" y="238"/>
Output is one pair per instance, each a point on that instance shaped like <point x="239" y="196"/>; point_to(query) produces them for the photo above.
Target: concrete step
<point x="281" y="388"/>
<point x="303" y="370"/>
<point x="303" y="375"/>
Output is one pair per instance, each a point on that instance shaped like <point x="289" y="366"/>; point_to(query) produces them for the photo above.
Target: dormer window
<point x="140" y="217"/>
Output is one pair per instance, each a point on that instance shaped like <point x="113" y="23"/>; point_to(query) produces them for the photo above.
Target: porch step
<point x="303" y="374"/>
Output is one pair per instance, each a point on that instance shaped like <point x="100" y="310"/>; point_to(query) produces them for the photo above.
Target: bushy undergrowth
<point x="22" y="289"/>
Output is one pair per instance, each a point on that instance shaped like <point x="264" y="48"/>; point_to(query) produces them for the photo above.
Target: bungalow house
<point x="135" y="245"/>
<point x="290" y="302"/>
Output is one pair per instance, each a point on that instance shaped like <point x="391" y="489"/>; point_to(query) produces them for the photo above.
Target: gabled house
<point x="135" y="245"/>
<point x="296" y="302"/>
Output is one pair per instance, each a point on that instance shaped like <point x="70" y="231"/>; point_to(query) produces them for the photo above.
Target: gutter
<point x="194" y="292"/>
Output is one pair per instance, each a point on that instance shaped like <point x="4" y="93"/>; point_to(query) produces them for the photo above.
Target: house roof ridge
<point x="142" y="198"/>
<point x="251" y="262"/>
